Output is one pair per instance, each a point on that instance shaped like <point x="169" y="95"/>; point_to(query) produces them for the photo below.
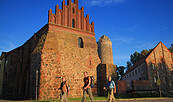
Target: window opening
<point x="153" y="66"/>
<point x="73" y="23"/>
<point x="80" y="43"/>
<point x="73" y="10"/>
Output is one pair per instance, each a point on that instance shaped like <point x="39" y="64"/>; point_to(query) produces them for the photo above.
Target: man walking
<point x="87" y="87"/>
<point x="111" y="90"/>
<point x="64" y="89"/>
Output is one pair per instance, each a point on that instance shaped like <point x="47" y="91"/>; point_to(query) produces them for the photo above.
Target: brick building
<point x="157" y="64"/>
<point x="66" y="46"/>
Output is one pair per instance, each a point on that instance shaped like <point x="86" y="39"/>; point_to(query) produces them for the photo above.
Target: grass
<point x="73" y="99"/>
<point x="125" y="96"/>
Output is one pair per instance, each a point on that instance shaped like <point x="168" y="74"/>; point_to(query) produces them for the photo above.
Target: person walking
<point x="110" y="87"/>
<point x="87" y="87"/>
<point x="64" y="90"/>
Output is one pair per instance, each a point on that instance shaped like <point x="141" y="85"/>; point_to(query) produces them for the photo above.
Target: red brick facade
<point x="157" y="64"/>
<point x="71" y="16"/>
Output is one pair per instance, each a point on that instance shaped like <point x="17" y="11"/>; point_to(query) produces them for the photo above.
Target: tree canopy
<point x="171" y="48"/>
<point x="136" y="56"/>
<point x="120" y="72"/>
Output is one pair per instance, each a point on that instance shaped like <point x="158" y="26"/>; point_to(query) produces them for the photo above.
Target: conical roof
<point x="104" y="38"/>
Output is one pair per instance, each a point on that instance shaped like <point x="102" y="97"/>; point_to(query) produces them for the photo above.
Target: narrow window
<point x="90" y="62"/>
<point x="80" y="42"/>
<point x="162" y="66"/>
<point x="136" y="72"/>
<point x="155" y="80"/>
<point x="153" y="66"/>
<point x="73" y="23"/>
<point x="139" y="70"/>
<point x="132" y="73"/>
<point x="73" y="10"/>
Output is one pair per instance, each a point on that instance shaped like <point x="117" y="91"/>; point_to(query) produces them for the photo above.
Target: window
<point x="80" y="42"/>
<point x="132" y="73"/>
<point x="73" y="10"/>
<point x="155" y="80"/>
<point x="139" y="70"/>
<point x="136" y="72"/>
<point x="73" y="23"/>
<point x="162" y="66"/>
<point x="153" y="66"/>
<point x="127" y="76"/>
<point x="6" y="62"/>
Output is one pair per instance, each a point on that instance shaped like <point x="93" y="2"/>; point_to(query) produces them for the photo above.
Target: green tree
<point x="137" y="56"/>
<point x="143" y="53"/>
<point x="129" y="64"/>
<point x="134" y="57"/>
<point x="171" y="48"/>
<point x="120" y="72"/>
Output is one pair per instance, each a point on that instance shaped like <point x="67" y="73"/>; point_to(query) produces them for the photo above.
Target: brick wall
<point x="122" y="87"/>
<point x="162" y="60"/>
<point x="61" y="56"/>
<point x="141" y="85"/>
<point x="104" y="71"/>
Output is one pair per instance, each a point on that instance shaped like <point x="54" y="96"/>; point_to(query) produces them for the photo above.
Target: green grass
<point x="73" y="99"/>
<point x="125" y="96"/>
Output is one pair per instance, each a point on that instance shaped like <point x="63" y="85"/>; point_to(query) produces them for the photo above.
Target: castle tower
<point x="105" y="50"/>
<point x="106" y="68"/>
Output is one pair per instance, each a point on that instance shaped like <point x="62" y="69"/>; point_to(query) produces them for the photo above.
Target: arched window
<point x="73" y="23"/>
<point x="80" y="43"/>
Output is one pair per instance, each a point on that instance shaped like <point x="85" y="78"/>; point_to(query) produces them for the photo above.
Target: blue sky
<point x="132" y="25"/>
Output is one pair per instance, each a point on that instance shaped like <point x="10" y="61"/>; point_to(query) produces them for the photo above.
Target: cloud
<point x="103" y="2"/>
<point x="123" y="39"/>
<point x="6" y="46"/>
<point x="144" y="45"/>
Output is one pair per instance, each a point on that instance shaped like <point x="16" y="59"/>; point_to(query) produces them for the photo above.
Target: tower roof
<point x="104" y="38"/>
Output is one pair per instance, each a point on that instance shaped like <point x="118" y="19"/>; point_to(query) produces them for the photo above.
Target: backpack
<point x="92" y="81"/>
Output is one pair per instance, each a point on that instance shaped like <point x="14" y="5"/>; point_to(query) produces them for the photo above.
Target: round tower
<point x="105" y="50"/>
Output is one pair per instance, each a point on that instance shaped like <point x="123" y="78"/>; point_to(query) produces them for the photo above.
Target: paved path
<point x="120" y="100"/>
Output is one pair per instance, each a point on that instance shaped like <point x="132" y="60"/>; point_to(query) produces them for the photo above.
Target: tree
<point x="129" y="64"/>
<point x="137" y="56"/>
<point x="171" y="48"/>
<point x="144" y="52"/>
<point x="120" y="72"/>
<point x="134" y="57"/>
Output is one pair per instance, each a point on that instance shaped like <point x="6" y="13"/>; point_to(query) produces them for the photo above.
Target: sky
<point x="131" y="25"/>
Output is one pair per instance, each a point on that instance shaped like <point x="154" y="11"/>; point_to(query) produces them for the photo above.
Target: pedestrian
<point x="64" y="90"/>
<point x="87" y="87"/>
<point x="111" y="89"/>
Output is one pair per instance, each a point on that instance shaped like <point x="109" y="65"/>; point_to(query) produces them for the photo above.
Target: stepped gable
<point x="71" y="16"/>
